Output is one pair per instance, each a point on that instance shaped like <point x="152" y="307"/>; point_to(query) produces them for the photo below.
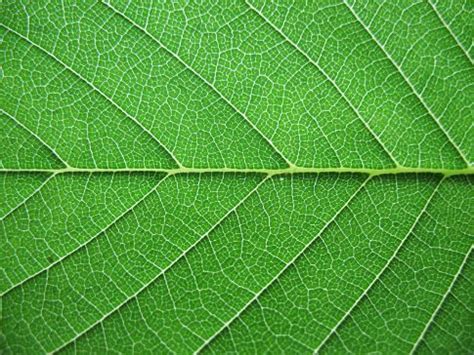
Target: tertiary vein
<point x="442" y="300"/>
<point x="203" y="79"/>
<point x="96" y="89"/>
<point x="376" y="279"/>
<point x="289" y="264"/>
<point x="409" y="83"/>
<point x="164" y="270"/>
<point x="329" y="79"/>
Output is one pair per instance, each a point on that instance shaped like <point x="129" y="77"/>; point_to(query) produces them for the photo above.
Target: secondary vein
<point x="448" y="28"/>
<point x="209" y="84"/>
<point x="408" y="82"/>
<point x="38" y="138"/>
<point x="290" y="263"/>
<point x="96" y="89"/>
<point x="27" y="198"/>
<point x="329" y="79"/>
<point x="382" y="270"/>
<point x="90" y="240"/>
<point x="164" y="270"/>
<point x="443" y="299"/>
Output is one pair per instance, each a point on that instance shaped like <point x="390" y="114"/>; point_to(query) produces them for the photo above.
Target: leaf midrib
<point x="270" y="172"/>
<point x="469" y="170"/>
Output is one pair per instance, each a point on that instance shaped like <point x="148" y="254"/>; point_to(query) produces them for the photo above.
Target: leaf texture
<point x="236" y="176"/>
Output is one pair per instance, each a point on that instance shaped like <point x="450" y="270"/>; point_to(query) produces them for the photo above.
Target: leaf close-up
<point x="232" y="176"/>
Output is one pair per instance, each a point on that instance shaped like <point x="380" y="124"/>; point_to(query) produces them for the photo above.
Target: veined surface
<point x="237" y="176"/>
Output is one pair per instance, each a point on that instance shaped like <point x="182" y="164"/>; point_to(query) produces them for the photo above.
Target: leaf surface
<point x="246" y="177"/>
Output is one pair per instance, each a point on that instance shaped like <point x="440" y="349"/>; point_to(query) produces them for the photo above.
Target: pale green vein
<point x="27" y="198"/>
<point x="382" y="270"/>
<point x="441" y="302"/>
<point x="448" y="28"/>
<point x="271" y="171"/>
<point x="407" y="80"/>
<point x="51" y="149"/>
<point x="90" y="240"/>
<point x="164" y="270"/>
<point x="208" y="83"/>
<point x="96" y="89"/>
<point x="329" y="79"/>
<point x="161" y="273"/>
<point x="290" y="263"/>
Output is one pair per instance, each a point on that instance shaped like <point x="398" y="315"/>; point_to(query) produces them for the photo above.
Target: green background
<point x="232" y="176"/>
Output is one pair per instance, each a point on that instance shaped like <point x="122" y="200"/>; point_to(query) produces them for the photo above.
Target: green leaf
<point x="251" y="176"/>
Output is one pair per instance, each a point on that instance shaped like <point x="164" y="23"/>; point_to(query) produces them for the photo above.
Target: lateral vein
<point x="408" y="82"/>
<point x="38" y="138"/>
<point x="96" y="89"/>
<point x="329" y="79"/>
<point x="90" y="240"/>
<point x="290" y="263"/>
<point x="445" y="24"/>
<point x="27" y="198"/>
<point x="382" y="270"/>
<point x="208" y="83"/>
<point x="164" y="270"/>
<point x="443" y="299"/>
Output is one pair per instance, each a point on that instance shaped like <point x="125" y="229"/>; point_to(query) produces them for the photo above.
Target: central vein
<point x="277" y="171"/>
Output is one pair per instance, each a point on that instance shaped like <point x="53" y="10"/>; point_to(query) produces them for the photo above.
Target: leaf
<point x="246" y="177"/>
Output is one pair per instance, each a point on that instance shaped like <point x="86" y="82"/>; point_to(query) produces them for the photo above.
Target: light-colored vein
<point x="164" y="270"/>
<point x="96" y="89"/>
<point x="38" y="138"/>
<point x="90" y="240"/>
<point x="443" y="299"/>
<point x="445" y="24"/>
<point x="290" y="263"/>
<point x="27" y="198"/>
<point x="270" y="171"/>
<point x="407" y="80"/>
<point x="329" y="79"/>
<point x="382" y="270"/>
<point x="208" y="83"/>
